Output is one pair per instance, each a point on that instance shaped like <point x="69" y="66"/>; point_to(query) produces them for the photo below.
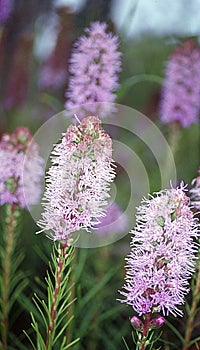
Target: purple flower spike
<point x="5" y="10"/>
<point x="21" y="169"/>
<point x="94" y="65"/>
<point x="195" y="192"/>
<point x="181" y="92"/>
<point x="162" y="255"/>
<point x="78" y="180"/>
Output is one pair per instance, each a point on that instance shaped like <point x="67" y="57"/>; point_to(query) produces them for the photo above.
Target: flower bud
<point x="137" y="323"/>
<point x="157" y="322"/>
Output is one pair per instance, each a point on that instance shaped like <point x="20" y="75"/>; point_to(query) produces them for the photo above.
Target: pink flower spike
<point x="18" y="176"/>
<point x="181" y="92"/>
<point x="78" y="181"/>
<point x="163" y="253"/>
<point x="94" y="68"/>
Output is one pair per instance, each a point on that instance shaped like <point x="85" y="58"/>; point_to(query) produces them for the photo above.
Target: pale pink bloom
<point x="78" y="181"/>
<point x="94" y="68"/>
<point x="162" y="257"/>
<point x="21" y="169"/>
<point x="181" y="92"/>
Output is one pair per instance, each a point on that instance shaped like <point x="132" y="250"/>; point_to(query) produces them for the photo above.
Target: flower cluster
<point x="5" y="10"/>
<point x="78" y="180"/>
<point x="163" y="252"/>
<point x="195" y="192"/>
<point x="21" y="169"/>
<point x="181" y="92"/>
<point x="94" y="65"/>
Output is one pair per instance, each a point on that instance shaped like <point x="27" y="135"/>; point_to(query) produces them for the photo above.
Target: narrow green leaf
<point x="125" y="343"/>
<point x="175" y="330"/>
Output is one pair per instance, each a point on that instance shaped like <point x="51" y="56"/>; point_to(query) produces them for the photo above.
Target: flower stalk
<point x="55" y="300"/>
<point x="145" y="332"/>
<point x="192" y="313"/>
<point x="11" y="212"/>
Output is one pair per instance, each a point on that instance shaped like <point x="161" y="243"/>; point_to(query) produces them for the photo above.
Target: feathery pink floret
<point x="195" y="192"/>
<point x="181" y="92"/>
<point x="94" y="65"/>
<point x="21" y="169"/>
<point x="6" y="7"/>
<point x="78" y="180"/>
<point x="162" y="255"/>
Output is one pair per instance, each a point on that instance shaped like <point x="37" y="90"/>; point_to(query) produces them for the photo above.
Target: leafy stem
<point x="51" y="317"/>
<point x="6" y="267"/>
<point x="145" y="331"/>
<point x="55" y="298"/>
<point x="192" y="312"/>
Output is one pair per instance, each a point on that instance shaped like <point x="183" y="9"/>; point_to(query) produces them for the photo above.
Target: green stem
<point x="130" y="82"/>
<point x="145" y="332"/>
<point x="173" y="144"/>
<point x="70" y="312"/>
<point x="192" y="314"/>
<point x="57" y="288"/>
<point x="6" y="273"/>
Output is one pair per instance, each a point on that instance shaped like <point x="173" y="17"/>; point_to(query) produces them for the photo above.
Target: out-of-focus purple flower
<point x="162" y="255"/>
<point x="181" y="92"/>
<point x="21" y="169"/>
<point x="78" y="180"/>
<point x="6" y="7"/>
<point x="94" y="65"/>
<point x="114" y="221"/>
<point x="195" y="192"/>
<point x="52" y="77"/>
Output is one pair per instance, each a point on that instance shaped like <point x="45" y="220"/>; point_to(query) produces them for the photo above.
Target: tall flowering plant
<point x="18" y="176"/>
<point x="180" y="95"/>
<point x="77" y="187"/>
<point x="94" y="68"/>
<point x="161" y="261"/>
<point x="15" y="178"/>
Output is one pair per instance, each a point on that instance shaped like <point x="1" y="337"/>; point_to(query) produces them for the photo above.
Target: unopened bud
<point x="137" y="323"/>
<point x="157" y="322"/>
